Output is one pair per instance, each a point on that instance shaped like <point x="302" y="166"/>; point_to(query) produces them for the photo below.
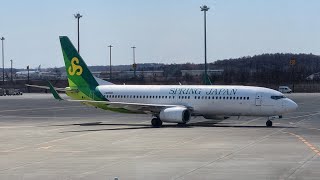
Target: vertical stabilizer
<point x="79" y="76"/>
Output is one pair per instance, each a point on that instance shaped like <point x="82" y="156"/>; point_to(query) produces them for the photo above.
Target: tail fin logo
<point x="75" y="68"/>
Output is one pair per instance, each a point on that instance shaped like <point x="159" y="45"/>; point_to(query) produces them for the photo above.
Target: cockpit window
<point x="277" y="97"/>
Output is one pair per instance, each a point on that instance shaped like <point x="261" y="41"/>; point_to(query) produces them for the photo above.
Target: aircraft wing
<point x="154" y="108"/>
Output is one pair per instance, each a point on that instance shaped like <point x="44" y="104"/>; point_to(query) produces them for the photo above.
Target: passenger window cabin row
<point x="139" y="97"/>
<point x="179" y="97"/>
<point x="222" y="97"/>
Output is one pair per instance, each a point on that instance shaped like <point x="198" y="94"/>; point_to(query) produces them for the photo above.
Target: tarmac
<point x="41" y="138"/>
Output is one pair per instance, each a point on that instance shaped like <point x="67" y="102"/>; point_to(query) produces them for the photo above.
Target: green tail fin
<point x="79" y="76"/>
<point x="77" y="70"/>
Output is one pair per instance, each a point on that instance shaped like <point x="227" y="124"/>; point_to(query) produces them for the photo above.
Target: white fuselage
<point x="205" y="100"/>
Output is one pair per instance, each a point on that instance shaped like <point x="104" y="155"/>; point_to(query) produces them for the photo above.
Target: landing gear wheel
<point x="156" y="122"/>
<point x="269" y="123"/>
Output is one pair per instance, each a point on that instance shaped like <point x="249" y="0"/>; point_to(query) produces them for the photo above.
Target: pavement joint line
<point x="47" y="142"/>
<point x="151" y="152"/>
<point x="281" y="130"/>
<point x="231" y="153"/>
<point x="314" y="129"/>
<point x="301" y="164"/>
<point x="14" y="127"/>
<point x="307" y="115"/>
<point x="11" y="150"/>
<point x="27" y="164"/>
<point x="312" y="147"/>
<point x="43" y="124"/>
<point x="55" y="140"/>
<point x="27" y="109"/>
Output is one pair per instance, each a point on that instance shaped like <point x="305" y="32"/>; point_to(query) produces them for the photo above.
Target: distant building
<point x="201" y="72"/>
<point x="129" y="74"/>
<point x="97" y="74"/>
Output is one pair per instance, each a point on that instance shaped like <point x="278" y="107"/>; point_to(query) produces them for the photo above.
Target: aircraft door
<point x="258" y="99"/>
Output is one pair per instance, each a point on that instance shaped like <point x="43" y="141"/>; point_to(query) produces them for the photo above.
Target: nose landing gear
<point x="269" y="123"/>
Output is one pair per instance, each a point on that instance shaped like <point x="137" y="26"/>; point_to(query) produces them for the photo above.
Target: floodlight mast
<point x="78" y="16"/>
<point x="134" y="65"/>
<point x="2" y="39"/>
<point x="11" y="71"/>
<point x="110" y="46"/>
<point x="205" y="8"/>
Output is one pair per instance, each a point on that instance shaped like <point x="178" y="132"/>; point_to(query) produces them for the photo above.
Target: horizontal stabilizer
<point x="54" y="92"/>
<point x="45" y="87"/>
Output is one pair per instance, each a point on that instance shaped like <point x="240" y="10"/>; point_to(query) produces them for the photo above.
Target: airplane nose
<point x="291" y="105"/>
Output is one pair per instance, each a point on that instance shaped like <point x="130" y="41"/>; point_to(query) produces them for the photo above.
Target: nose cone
<point x="291" y="105"/>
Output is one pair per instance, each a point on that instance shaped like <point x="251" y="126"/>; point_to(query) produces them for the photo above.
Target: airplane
<point x="32" y="73"/>
<point x="168" y="103"/>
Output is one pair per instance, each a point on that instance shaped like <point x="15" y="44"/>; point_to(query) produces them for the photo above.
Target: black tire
<point x="156" y="122"/>
<point x="269" y="123"/>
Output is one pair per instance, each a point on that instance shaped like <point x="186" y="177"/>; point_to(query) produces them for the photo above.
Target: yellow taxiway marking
<point x="314" y="149"/>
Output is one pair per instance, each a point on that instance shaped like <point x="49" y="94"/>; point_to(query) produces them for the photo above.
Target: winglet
<point x="54" y="92"/>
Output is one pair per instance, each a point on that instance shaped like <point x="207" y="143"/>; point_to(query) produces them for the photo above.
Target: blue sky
<point x="166" y="31"/>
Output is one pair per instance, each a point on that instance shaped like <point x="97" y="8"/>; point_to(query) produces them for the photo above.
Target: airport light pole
<point x="205" y="8"/>
<point x="11" y="71"/>
<point x="293" y="63"/>
<point x="2" y="39"/>
<point x="110" y="46"/>
<point x="134" y="65"/>
<point x="28" y="78"/>
<point x="78" y="16"/>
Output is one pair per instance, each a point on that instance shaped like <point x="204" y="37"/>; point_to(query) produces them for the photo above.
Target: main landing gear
<point x="156" y="122"/>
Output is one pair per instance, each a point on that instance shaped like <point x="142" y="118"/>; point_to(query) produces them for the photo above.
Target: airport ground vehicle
<point x="17" y="92"/>
<point x="284" y="89"/>
<point x="12" y="92"/>
<point x="2" y="92"/>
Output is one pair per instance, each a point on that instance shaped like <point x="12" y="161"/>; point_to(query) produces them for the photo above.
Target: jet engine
<point x="175" y="115"/>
